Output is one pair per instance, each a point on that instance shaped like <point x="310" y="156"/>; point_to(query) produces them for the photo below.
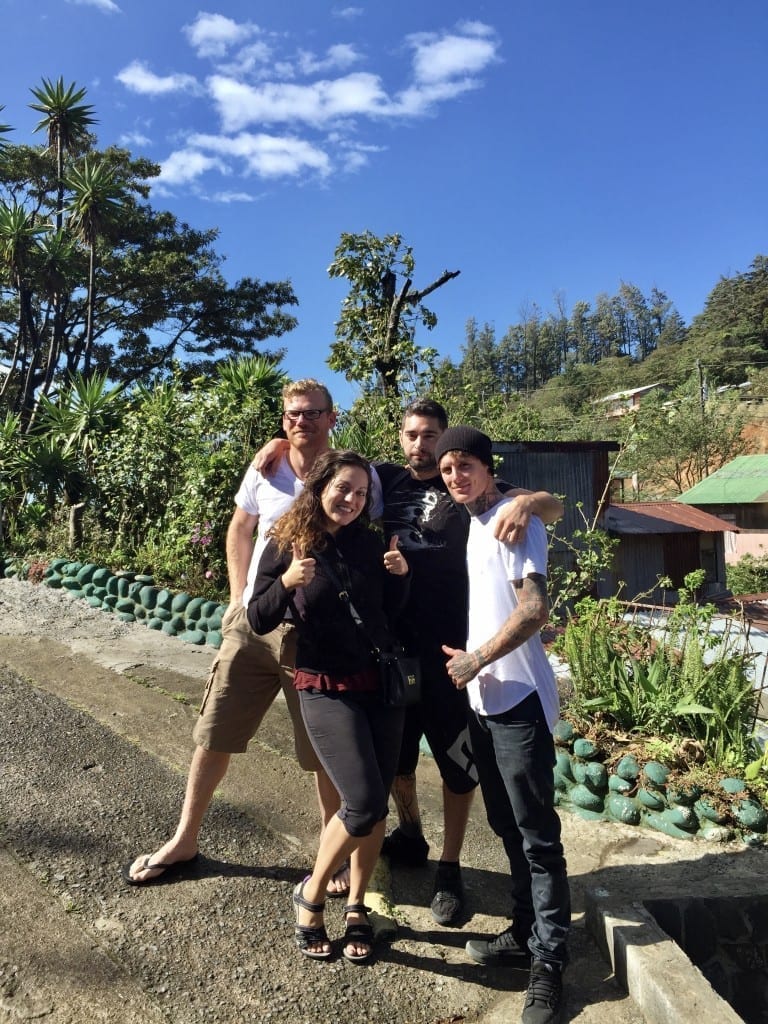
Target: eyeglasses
<point x="294" y="415"/>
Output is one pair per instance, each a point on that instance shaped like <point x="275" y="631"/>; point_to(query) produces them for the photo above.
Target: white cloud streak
<point x="214" y="35"/>
<point x="268" y="156"/>
<point x="347" y="12"/>
<point x="334" y="104"/>
<point x="138" y="78"/>
<point x="134" y="139"/>
<point x="317" y="104"/>
<point x="107" y="6"/>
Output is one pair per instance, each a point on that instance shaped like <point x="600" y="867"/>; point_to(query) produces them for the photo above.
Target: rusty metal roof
<point x="662" y="517"/>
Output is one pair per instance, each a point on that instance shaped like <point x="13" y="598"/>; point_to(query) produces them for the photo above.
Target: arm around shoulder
<point x="514" y="516"/>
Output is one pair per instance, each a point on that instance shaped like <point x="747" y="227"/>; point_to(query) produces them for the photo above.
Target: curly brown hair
<point x="305" y="522"/>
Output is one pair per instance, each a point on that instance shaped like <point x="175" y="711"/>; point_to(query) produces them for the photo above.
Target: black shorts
<point x="440" y="717"/>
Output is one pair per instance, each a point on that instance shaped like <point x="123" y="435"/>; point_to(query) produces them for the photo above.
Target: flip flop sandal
<point x="167" y="871"/>
<point x="357" y="934"/>
<point x="308" y="935"/>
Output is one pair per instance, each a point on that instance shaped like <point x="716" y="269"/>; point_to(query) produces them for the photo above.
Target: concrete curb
<point x="656" y="973"/>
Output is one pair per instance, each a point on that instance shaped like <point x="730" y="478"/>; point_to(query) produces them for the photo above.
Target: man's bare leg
<point x="407" y="804"/>
<point x="456" y="808"/>
<point x="206" y="771"/>
<point x="406" y="844"/>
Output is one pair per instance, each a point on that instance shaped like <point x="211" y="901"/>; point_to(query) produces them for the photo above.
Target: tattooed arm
<point x="527" y="619"/>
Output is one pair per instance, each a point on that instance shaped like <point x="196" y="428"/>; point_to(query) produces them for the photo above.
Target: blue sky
<point x="539" y="147"/>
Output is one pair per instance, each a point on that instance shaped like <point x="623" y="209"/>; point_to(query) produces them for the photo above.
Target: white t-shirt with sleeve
<point x="268" y="497"/>
<point x="492" y="566"/>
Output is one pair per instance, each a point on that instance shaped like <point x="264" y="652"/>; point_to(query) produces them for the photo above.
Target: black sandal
<point x="308" y="935"/>
<point x="357" y="934"/>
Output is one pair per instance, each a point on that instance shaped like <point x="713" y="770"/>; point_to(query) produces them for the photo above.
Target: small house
<point x="738" y="494"/>
<point x="664" y="539"/>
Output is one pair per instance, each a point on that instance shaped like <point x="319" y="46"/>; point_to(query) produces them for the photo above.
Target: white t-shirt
<point x="268" y="497"/>
<point x="492" y="567"/>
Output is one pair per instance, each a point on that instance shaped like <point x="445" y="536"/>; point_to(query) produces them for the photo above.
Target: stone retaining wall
<point x="638" y="793"/>
<point x="133" y="597"/>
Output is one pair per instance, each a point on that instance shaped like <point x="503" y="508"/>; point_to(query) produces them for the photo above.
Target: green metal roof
<point x="743" y="480"/>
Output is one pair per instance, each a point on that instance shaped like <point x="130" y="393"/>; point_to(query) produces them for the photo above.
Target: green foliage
<point x="375" y="331"/>
<point x="677" y="441"/>
<point x="590" y="554"/>
<point x="371" y="427"/>
<point x="731" y="333"/>
<point x="93" y="279"/>
<point x="749" y="575"/>
<point x="674" y="681"/>
<point x="158" y="466"/>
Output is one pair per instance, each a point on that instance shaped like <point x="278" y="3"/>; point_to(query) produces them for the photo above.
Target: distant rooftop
<point x="743" y="480"/>
<point x="618" y="396"/>
<point x="662" y="517"/>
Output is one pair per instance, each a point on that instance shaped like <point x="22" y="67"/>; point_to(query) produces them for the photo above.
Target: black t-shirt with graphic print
<point x="432" y="531"/>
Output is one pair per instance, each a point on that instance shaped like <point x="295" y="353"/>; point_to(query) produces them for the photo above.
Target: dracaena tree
<point x="93" y="279"/>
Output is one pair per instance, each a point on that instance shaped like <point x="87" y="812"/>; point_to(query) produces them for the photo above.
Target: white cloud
<point x="213" y="35"/>
<point x="138" y="78"/>
<point x="323" y="118"/>
<point x="438" y="59"/>
<point x="248" y="59"/>
<point x="186" y="165"/>
<point x="134" y="139"/>
<point x="420" y="99"/>
<point x="342" y="55"/>
<point x="268" y="156"/>
<point x="317" y="104"/>
<point x="234" y="197"/>
<point x="108" y="6"/>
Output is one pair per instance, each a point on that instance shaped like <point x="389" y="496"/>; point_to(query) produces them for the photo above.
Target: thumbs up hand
<point x="394" y="561"/>
<point x="300" y="572"/>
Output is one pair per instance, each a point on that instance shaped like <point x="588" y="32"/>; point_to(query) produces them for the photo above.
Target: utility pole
<point x="703" y="405"/>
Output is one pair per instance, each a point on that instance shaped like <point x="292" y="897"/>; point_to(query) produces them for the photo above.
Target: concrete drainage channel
<point x="685" y="959"/>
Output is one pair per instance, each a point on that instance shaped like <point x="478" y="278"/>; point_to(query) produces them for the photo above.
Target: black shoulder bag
<point x="399" y="674"/>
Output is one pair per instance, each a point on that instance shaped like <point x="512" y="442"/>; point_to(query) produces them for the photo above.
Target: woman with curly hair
<point x="321" y="556"/>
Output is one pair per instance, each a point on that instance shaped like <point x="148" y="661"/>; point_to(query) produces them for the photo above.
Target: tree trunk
<point x="76" y="525"/>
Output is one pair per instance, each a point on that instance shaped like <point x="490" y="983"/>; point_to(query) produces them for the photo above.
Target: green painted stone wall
<point x="133" y="597"/>
<point x="644" y="794"/>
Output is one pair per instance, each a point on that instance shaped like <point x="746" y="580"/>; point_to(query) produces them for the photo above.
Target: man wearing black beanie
<point x="513" y="708"/>
<point x="432" y="534"/>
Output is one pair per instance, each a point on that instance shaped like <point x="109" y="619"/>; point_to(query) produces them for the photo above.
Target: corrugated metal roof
<point x="744" y="479"/>
<point x="662" y="517"/>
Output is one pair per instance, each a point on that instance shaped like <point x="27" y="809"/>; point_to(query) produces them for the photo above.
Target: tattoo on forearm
<point x="522" y="624"/>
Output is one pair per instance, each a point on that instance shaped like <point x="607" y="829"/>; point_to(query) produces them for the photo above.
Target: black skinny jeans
<point x="357" y="738"/>
<point x="515" y="756"/>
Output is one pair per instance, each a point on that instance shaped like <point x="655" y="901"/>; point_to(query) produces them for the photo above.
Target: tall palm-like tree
<point x="18" y="234"/>
<point x="4" y="129"/>
<point x="66" y="121"/>
<point x="56" y="263"/>
<point x="96" y="197"/>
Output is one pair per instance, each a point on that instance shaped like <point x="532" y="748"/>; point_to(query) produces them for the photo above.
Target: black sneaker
<point x="448" y="899"/>
<point x="543" y="1001"/>
<point x="402" y="849"/>
<point x="503" y="951"/>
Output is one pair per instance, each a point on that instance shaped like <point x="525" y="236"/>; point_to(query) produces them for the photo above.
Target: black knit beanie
<point x="465" y="439"/>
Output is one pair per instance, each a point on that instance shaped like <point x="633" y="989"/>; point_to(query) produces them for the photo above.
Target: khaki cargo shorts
<point x="245" y="678"/>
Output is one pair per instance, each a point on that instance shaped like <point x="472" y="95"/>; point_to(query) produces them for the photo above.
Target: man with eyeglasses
<point x="250" y="670"/>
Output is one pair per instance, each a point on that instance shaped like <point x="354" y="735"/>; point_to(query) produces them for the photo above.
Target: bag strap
<point x="344" y="593"/>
